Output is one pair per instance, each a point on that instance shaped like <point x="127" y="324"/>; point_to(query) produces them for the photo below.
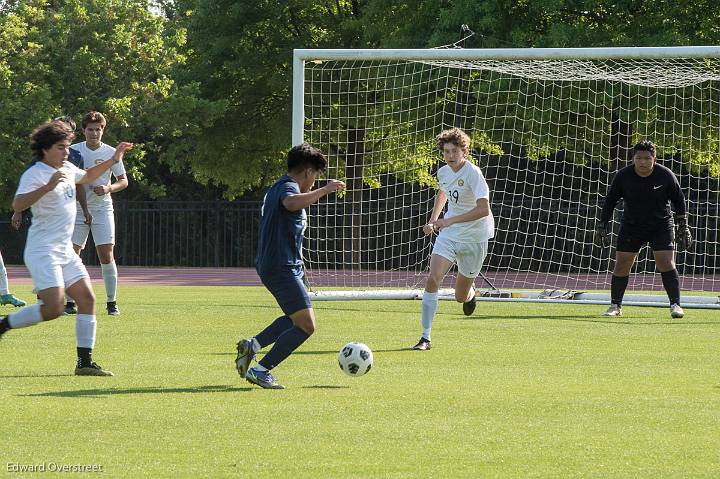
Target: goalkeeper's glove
<point x="683" y="237"/>
<point x="602" y="235"/>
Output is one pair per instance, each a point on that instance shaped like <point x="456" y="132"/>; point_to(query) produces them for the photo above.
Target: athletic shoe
<point x="262" y="378"/>
<point x="613" y="310"/>
<point x="422" y="345"/>
<point x="245" y="355"/>
<point x="113" y="308"/>
<point x="3" y="328"/>
<point x="469" y="306"/>
<point x="11" y="299"/>
<point x="676" y="311"/>
<point x="92" y="369"/>
<point x="70" y="308"/>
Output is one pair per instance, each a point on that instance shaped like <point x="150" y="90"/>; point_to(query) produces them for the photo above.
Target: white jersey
<point x="90" y="159"/>
<point x="463" y="188"/>
<point x="53" y="214"/>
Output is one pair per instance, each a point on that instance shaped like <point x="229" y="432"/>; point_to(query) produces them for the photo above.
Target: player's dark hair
<point x="455" y="136"/>
<point x="644" y="145"/>
<point x="306" y="155"/>
<point x="46" y="135"/>
<point x="66" y="119"/>
<point x="93" y="117"/>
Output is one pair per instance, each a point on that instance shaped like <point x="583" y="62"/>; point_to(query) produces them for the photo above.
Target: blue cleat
<point x="245" y="355"/>
<point x="262" y="378"/>
<point x="11" y="299"/>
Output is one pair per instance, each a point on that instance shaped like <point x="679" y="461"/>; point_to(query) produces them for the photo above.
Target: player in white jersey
<point x="48" y="188"/>
<point x="99" y="203"/>
<point x="463" y="231"/>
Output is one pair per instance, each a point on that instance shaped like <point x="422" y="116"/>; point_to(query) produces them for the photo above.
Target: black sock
<point x="270" y="334"/>
<point x="618" y="285"/>
<point x="4" y="325"/>
<point x="84" y="356"/>
<point x="671" y="282"/>
<point x="289" y="341"/>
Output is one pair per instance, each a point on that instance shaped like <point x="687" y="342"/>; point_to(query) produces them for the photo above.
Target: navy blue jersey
<point x="281" y="231"/>
<point x="647" y="199"/>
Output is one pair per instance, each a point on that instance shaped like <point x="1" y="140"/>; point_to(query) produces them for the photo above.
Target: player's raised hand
<point x="333" y="186"/>
<point x="601" y="238"/>
<point x="124" y="146"/>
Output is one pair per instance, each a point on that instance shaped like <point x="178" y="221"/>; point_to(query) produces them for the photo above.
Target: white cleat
<point x="676" y="311"/>
<point x="613" y="310"/>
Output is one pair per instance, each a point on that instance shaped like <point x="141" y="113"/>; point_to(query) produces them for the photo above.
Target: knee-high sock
<point x="289" y="341"/>
<point x="27" y="316"/>
<point x="429" y="307"/>
<point x="109" y="273"/>
<point x="671" y="282"/>
<point x="85" y="327"/>
<point x="4" y="287"/>
<point x="618" y="285"/>
<point x="270" y="334"/>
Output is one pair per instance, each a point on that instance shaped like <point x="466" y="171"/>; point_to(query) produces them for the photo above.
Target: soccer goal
<point x="549" y="127"/>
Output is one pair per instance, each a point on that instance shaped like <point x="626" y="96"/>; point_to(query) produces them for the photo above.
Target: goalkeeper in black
<point x="648" y="190"/>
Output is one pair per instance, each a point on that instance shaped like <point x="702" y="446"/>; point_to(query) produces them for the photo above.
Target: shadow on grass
<point x="31" y="375"/>
<point x="311" y="353"/>
<point x="323" y="386"/>
<point x="148" y="390"/>
<point x="587" y="319"/>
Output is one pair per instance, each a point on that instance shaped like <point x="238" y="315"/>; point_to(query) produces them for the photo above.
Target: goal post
<point x="549" y="128"/>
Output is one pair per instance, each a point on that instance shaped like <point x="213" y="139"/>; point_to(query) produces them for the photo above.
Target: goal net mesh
<point x="549" y="136"/>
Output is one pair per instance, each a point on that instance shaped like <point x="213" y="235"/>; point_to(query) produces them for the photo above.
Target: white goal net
<point x="549" y="134"/>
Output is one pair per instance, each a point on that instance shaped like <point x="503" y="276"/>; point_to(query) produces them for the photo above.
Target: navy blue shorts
<point x="631" y="237"/>
<point x="286" y="285"/>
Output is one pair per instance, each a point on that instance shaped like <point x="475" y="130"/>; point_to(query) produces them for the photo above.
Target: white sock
<point x="255" y="345"/>
<point x="109" y="273"/>
<point x="85" y="327"/>
<point x="27" y="316"/>
<point x="260" y="367"/>
<point x="429" y="306"/>
<point x="4" y="288"/>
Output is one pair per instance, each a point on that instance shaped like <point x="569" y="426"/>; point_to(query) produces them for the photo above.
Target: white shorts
<point x="49" y="271"/>
<point x="102" y="227"/>
<point x="469" y="257"/>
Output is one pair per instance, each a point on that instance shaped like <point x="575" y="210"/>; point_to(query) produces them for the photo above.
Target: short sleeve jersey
<point x="647" y="199"/>
<point x="281" y="231"/>
<point x="463" y="188"/>
<point x="54" y="213"/>
<point x="91" y="158"/>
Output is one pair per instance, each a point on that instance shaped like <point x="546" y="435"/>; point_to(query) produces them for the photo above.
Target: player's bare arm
<point x="303" y="200"/>
<point x="440" y="200"/>
<point x="119" y="185"/>
<point x="94" y="172"/>
<point x="26" y="200"/>
<point x="482" y="209"/>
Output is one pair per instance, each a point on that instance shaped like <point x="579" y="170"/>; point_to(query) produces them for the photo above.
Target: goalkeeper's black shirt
<point x="647" y="199"/>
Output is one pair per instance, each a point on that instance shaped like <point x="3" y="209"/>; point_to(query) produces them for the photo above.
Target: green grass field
<point x="518" y="390"/>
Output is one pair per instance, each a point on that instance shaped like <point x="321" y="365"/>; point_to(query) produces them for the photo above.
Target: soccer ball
<point x="355" y="359"/>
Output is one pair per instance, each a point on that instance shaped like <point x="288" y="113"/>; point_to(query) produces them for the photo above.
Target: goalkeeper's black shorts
<point x="633" y="237"/>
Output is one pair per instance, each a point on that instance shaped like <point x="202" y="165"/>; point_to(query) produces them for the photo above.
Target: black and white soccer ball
<point x="355" y="359"/>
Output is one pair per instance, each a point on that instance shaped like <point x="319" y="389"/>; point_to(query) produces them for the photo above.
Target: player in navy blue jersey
<point x="279" y="264"/>
<point x="648" y="190"/>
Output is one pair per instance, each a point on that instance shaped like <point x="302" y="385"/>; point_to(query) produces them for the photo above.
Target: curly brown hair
<point x="455" y="136"/>
<point x="47" y="134"/>
<point x="93" y="117"/>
